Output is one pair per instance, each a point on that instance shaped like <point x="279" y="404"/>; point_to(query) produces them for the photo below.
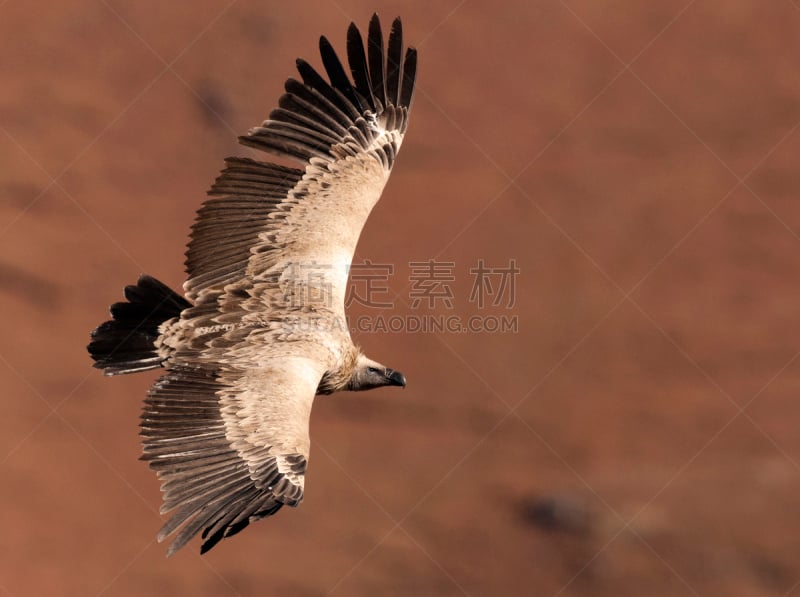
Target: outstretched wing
<point x="230" y="445"/>
<point x="265" y="220"/>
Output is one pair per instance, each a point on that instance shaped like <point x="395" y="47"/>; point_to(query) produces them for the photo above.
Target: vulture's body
<point x="262" y="328"/>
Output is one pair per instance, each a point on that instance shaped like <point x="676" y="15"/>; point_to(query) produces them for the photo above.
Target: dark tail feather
<point x="126" y="344"/>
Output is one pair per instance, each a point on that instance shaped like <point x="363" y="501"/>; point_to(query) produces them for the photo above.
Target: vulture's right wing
<point x="230" y="446"/>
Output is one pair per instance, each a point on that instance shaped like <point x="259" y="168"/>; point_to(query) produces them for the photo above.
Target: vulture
<point x="261" y="330"/>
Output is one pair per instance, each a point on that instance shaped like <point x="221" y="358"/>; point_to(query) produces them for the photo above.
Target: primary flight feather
<point x="262" y="328"/>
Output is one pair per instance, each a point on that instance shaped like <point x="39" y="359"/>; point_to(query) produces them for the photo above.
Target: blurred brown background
<point x="637" y="436"/>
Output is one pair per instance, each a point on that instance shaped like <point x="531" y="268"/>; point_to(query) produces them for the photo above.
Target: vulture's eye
<point x="373" y="370"/>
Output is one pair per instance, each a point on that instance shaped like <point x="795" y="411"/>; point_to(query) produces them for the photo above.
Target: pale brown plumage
<point x="226" y="428"/>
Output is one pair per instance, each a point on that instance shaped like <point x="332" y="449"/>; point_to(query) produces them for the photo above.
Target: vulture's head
<point x="368" y="374"/>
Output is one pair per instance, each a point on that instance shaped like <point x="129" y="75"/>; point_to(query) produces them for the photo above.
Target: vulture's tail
<point x="126" y="343"/>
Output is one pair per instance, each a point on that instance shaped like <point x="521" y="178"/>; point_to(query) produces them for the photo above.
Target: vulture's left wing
<point x="264" y="219"/>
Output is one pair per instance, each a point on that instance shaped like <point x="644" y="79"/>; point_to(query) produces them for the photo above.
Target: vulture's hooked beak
<point x="396" y="378"/>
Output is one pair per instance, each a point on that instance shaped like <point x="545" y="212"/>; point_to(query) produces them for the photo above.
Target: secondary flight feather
<point x="261" y="330"/>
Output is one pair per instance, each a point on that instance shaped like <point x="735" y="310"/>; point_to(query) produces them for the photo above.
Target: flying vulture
<point x="262" y="328"/>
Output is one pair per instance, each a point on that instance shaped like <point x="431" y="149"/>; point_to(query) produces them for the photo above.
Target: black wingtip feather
<point x="336" y="73"/>
<point x="357" y="58"/>
<point x="394" y="63"/>
<point x="376" y="61"/>
<point x="409" y="78"/>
